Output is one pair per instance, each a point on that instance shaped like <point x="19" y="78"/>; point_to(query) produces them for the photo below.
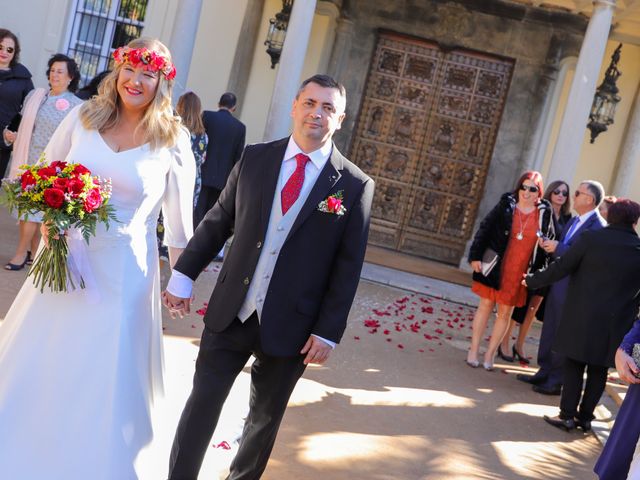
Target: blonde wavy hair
<point x="159" y="126"/>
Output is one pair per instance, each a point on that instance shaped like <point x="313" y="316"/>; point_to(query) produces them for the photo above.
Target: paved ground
<point x="395" y="401"/>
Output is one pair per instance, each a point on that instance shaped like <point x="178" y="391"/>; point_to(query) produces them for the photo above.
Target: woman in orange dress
<point x="511" y="230"/>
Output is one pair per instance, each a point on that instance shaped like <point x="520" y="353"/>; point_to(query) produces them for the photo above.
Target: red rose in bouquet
<point x="79" y="169"/>
<point x="75" y="187"/>
<point x="61" y="183"/>
<point x="46" y="172"/>
<point x="67" y="196"/>
<point x="27" y="180"/>
<point x="54" y="197"/>
<point x="58" y="165"/>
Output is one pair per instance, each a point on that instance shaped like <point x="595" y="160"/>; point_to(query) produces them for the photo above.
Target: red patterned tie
<point x="291" y="190"/>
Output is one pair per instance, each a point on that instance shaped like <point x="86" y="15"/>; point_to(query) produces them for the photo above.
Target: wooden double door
<point x="425" y="133"/>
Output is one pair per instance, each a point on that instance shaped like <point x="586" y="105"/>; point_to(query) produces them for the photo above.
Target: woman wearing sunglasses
<point x="15" y="83"/>
<point x="559" y="196"/>
<point x="509" y="233"/>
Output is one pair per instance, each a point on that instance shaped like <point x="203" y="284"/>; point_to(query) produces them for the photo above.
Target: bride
<point x="78" y="371"/>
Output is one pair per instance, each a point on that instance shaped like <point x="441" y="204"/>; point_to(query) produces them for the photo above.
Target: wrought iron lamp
<point x="277" y="32"/>
<point x="606" y="99"/>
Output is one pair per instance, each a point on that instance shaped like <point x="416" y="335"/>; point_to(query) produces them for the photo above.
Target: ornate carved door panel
<point x="426" y="131"/>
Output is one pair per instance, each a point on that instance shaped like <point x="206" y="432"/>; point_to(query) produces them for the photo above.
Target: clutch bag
<point x="489" y="260"/>
<point x="636" y="354"/>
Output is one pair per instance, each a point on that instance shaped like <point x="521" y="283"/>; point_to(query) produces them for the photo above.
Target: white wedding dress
<point x="78" y="370"/>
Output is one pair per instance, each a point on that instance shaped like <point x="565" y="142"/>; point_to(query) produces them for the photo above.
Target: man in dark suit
<point x="226" y="141"/>
<point x="602" y="302"/>
<point x="548" y="379"/>
<point x="299" y="212"/>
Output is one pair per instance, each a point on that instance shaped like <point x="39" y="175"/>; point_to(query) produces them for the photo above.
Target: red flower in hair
<point x="135" y="56"/>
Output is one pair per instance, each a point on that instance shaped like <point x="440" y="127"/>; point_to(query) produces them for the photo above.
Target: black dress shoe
<point x="547" y="389"/>
<point x="530" y="379"/>
<point x="566" y="424"/>
<point x="584" y="425"/>
<point x="504" y="357"/>
<point x="519" y="358"/>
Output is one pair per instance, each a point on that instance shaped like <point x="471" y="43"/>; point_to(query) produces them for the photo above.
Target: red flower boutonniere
<point x="333" y="204"/>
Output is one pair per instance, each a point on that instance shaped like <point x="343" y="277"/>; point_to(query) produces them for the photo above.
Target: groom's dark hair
<point x="324" y="81"/>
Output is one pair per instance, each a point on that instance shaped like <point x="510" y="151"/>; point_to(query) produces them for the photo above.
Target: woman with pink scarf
<point x="42" y="112"/>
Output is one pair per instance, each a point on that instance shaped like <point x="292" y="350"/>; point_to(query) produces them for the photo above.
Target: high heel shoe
<point x="488" y="366"/>
<point x="15" y="267"/>
<point x="503" y="356"/>
<point x="518" y="357"/>
<point x="29" y="258"/>
<point x="472" y="363"/>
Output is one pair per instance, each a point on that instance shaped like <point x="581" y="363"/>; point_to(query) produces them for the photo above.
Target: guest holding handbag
<point x="558" y="195"/>
<point x="15" y="84"/>
<point x="503" y="249"/>
<point x="42" y="112"/>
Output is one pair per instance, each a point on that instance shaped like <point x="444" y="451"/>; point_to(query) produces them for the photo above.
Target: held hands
<point x="476" y="266"/>
<point x="176" y="305"/>
<point x="626" y="366"/>
<point x="524" y="280"/>
<point x="317" y="351"/>
<point x="9" y="136"/>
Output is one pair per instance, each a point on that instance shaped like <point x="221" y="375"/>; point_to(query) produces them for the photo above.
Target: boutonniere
<point x="333" y="204"/>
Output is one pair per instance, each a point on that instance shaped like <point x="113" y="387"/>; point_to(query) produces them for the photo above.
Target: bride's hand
<point x="44" y="230"/>
<point x="176" y="305"/>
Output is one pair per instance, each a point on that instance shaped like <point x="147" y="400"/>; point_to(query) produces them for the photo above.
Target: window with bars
<point x="100" y="26"/>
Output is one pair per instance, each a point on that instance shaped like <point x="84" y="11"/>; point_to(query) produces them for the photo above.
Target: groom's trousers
<point x="221" y="358"/>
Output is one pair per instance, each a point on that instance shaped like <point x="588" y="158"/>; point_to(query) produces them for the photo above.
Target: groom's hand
<point x="176" y="305"/>
<point x="317" y="351"/>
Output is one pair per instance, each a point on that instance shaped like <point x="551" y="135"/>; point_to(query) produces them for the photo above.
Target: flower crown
<point x="148" y="59"/>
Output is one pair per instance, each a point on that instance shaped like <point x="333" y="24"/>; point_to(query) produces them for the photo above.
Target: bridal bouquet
<point x="67" y="196"/>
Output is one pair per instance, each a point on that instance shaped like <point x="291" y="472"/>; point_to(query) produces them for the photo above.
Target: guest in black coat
<point x="601" y="304"/>
<point x="226" y="142"/>
<point x="558" y="195"/>
<point x="511" y="230"/>
<point x="15" y="83"/>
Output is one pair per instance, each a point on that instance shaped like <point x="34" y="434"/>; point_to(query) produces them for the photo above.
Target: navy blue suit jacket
<point x="226" y="142"/>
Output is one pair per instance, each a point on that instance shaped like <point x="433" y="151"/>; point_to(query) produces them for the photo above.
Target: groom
<point x="299" y="214"/>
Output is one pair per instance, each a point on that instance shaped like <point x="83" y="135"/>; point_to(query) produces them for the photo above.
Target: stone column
<point x="576" y="115"/>
<point x="341" y="48"/>
<point x="289" y="69"/>
<point x="183" y="39"/>
<point x="245" y="49"/>
<point x="630" y="156"/>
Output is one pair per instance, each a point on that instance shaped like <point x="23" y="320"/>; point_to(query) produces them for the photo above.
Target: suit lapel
<point x="327" y="178"/>
<point x="269" y="180"/>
